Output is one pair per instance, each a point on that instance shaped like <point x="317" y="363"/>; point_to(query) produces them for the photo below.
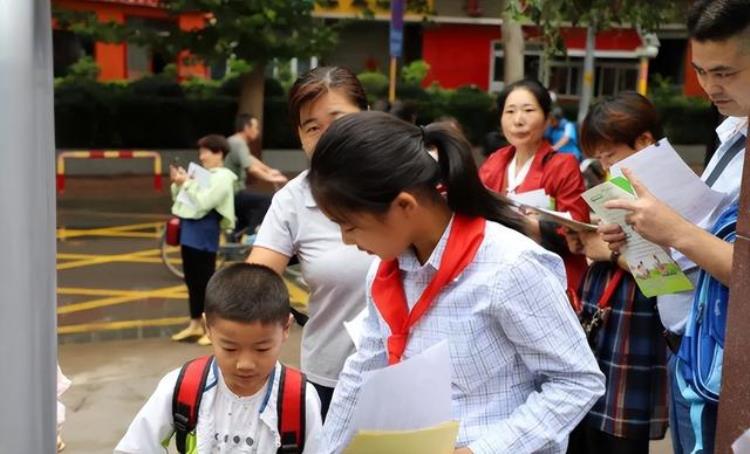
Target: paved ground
<point x="112" y="379"/>
<point x="112" y="282"/>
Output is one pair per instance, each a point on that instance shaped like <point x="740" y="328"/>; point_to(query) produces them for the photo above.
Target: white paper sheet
<point x="536" y="198"/>
<point x="355" y="326"/>
<point x="742" y="444"/>
<point x="413" y="394"/>
<point x="201" y="176"/>
<point x="669" y="179"/>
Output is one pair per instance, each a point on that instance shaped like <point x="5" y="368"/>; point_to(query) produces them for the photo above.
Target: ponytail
<point x="364" y="160"/>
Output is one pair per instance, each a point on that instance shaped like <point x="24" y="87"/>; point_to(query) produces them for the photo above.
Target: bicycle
<point x="229" y="252"/>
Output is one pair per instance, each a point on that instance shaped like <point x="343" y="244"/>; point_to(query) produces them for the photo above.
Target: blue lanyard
<point x="267" y="396"/>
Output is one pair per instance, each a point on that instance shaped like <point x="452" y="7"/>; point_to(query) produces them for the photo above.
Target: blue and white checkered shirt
<point x="523" y="374"/>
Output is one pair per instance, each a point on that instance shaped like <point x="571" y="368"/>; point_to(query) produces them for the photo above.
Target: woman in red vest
<point x="530" y="163"/>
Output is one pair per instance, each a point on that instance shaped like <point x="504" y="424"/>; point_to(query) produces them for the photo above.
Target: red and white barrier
<point x="108" y="154"/>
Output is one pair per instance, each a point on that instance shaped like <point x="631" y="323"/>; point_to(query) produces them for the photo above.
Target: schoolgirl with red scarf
<point x="454" y="265"/>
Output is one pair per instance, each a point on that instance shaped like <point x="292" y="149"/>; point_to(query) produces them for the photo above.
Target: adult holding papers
<point x="530" y="164"/>
<point x="720" y="36"/>
<point x="628" y="343"/>
<point x="204" y="202"/>
<point x="454" y="266"/>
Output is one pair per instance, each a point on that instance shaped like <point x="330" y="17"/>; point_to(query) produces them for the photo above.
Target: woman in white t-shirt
<point x="294" y="225"/>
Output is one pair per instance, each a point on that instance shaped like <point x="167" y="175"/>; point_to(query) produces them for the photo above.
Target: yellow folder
<point x="440" y="439"/>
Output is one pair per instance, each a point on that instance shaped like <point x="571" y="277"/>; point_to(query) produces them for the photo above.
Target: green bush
<point x="415" y="72"/>
<point x="84" y="69"/>
<point x="200" y="88"/>
<point x="375" y="84"/>
<point x="157" y="112"/>
<point x="686" y="120"/>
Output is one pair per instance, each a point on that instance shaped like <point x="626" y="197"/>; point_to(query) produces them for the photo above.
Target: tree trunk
<point x="513" y="47"/>
<point x="251" y="100"/>
<point x="587" y="88"/>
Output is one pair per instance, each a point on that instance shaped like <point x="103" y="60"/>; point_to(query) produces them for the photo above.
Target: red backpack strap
<point x="186" y="398"/>
<point x="291" y="410"/>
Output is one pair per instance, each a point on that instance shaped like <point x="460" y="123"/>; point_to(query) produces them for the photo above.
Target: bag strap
<point x="614" y="281"/>
<point x="737" y="146"/>
<point x="186" y="399"/>
<point x="291" y="410"/>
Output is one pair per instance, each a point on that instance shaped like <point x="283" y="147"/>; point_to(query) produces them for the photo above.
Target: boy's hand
<point x="463" y="451"/>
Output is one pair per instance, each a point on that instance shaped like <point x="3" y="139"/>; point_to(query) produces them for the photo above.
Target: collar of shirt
<point x="268" y="414"/>
<point x="409" y="262"/>
<point x="730" y="127"/>
<point x="309" y="199"/>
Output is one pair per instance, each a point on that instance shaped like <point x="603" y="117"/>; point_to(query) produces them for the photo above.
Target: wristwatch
<point x="614" y="256"/>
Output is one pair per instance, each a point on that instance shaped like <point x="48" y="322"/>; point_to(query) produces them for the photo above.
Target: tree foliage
<point x="254" y="30"/>
<point x="551" y="15"/>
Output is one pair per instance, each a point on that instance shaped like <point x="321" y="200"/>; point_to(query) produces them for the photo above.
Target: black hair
<point x="247" y="293"/>
<point x="216" y="143"/>
<point x="319" y="81"/>
<point x="718" y="20"/>
<point x="534" y="87"/>
<point x="243" y="120"/>
<point x="364" y="160"/>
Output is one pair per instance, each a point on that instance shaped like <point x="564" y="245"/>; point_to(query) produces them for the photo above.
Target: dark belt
<point x="673" y="340"/>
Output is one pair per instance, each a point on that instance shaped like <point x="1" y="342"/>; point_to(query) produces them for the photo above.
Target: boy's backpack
<point x="191" y="383"/>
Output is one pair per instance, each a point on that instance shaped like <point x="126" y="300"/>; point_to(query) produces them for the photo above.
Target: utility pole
<point x="396" y="44"/>
<point x="28" y="328"/>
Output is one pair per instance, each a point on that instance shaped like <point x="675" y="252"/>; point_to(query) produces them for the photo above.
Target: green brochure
<point x="655" y="272"/>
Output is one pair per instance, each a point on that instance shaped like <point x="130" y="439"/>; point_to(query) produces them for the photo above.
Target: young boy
<point x="248" y="320"/>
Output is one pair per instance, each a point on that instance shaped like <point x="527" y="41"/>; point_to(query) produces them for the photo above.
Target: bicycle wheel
<point x="170" y="256"/>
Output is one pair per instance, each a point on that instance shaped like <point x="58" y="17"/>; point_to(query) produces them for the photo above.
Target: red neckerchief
<point x="388" y="290"/>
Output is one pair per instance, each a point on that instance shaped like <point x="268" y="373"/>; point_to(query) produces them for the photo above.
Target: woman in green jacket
<point x="205" y="207"/>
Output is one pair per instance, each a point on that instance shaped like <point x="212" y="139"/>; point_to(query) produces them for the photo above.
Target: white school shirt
<point x="226" y="423"/>
<point x="523" y="373"/>
<point x="334" y="272"/>
<point x="674" y="309"/>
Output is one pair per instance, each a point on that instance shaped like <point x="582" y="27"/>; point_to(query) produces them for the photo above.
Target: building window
<point x="612" y="77"/>
<point x="566" y="75"/>
<point x="531" y="64"/>
<point x="141" y="60"/>
<point x="68" y="48"/>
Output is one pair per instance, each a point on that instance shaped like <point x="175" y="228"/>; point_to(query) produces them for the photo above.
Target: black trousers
<point x="198" y="267"/>
<point x="250" y="208"/>
<point x="587" y="440"/>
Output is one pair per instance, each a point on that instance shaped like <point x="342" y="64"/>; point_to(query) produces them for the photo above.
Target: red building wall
<point x="459" y="54"/>
<point x="691" y="87"/>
